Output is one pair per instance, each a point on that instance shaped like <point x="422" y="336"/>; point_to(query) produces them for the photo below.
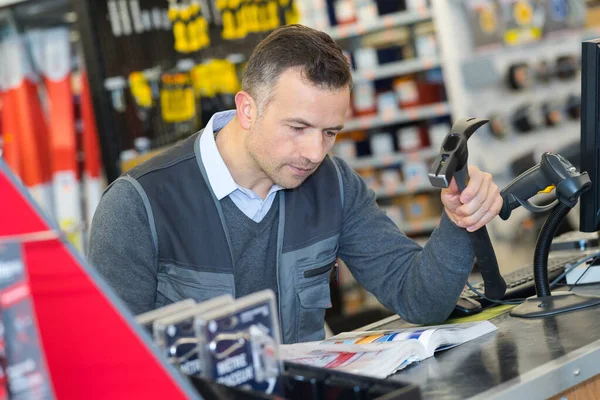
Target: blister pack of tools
<point x="239" y="343"/>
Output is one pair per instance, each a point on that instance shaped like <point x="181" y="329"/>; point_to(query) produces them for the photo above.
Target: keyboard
<point x="520" y="284"/>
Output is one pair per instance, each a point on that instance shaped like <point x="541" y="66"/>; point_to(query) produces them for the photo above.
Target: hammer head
<point x="454" y="152"/>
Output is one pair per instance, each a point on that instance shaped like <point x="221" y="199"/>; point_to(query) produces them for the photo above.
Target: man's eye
<point x="331" y="133"/>
<point x="297" y="128"/>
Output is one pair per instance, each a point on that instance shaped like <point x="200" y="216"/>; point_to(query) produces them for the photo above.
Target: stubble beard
<point x="272" y="168"/>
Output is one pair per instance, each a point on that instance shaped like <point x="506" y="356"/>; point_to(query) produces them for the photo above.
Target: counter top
<point x="525" y="358"/>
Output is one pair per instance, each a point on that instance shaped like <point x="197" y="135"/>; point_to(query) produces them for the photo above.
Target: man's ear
<point x="246" y="109"/>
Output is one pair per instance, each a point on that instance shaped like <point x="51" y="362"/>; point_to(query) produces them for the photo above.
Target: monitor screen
<point x="590" y="134"/>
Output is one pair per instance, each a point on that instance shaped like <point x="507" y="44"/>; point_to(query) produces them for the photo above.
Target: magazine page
<point x="359" y="342"/>
<point x="381" y="353"/>
<point x="448" y="336"/>
<point x="377" y="364"/>
<point x="431" y="337"/>
<point x="376" y="340"/>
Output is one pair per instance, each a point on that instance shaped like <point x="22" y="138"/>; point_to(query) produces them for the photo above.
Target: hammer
<point x="452" y="162"/>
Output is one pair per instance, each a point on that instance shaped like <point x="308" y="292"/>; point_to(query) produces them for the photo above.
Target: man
<point x="254" y="202"/>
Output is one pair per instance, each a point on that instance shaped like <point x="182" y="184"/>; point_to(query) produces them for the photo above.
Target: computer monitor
<point x="590" y="135"/>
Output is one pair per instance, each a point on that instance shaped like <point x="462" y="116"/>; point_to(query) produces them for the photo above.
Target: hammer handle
<point x="495" y="287"/>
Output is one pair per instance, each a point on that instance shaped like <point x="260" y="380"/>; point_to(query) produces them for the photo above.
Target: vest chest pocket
<point x="309" y="273"/>
<point x="314" y="300"/>
<point x="176" y="283"/>
<point x="314" y="295"/>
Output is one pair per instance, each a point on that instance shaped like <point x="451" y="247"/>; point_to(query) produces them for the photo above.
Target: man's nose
<point x="312" y="147"/>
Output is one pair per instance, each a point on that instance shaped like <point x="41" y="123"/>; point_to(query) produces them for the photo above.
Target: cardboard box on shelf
<point x="367" y="12"/>
<point x="390" y="176"/>
<point x="421" y="207"/>
<point x="592" y="17"/>
<point x="382" y="143"/>
<point x="409" y="138"/>
<point x="426" y="45"/>
<point x="415" y="173"/>
<point x="386" y="105"/>
<point x="345" y="149"/>
<point x="369" y="175"/>
<point x="394" y="213"/>
<point x="412" y="92"/>
<point x="407" y="92"/>
<point x="363" y="99"/>
<point x="365" y="58"/>
<point x="345" y="12"/>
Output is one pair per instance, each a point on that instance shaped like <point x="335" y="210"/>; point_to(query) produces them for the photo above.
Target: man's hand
<point x="477" y="205"/>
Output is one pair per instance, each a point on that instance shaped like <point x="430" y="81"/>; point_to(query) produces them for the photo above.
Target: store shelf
<point x="396" y="69"/>
<point x="404" y="189"/>
<point x="398" y="116"/>
<point x="418" y="227"/>
<point x="392" y="159"/>
<point x="385" y="22"/>
<point x="506" y="151"/>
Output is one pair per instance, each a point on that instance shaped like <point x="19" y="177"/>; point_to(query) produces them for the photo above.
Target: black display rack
<point x="300" y="382"/>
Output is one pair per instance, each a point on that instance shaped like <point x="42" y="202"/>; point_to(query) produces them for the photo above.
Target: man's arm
<point x="121" y="246"/>
<point x="422" y="285"/>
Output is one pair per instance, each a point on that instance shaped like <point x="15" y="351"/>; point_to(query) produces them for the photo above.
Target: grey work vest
<point x="192" y="244"/>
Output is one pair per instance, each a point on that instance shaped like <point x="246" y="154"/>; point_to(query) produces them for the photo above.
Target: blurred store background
<point x="90" y="88"/>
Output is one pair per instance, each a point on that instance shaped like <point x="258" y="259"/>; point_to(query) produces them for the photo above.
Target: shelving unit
<point x="385" y="22"/>
<point x="492" y="96"/>
<point x="392" y="159"/>
<point x="396" y="69"/>
<point x="356" y="35"/>
<point x="417" y="227"/>
<point x="400" y="190"/>
<point x="458" y="54"/>
<point x="389" y="117"/>
<point x="549" y="139"/>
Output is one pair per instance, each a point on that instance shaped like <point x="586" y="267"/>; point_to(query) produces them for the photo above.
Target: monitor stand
<point x="547" y="303"/>
<point x="559" y="302"/>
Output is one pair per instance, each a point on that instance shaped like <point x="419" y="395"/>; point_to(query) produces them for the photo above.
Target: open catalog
<point x="381" y="353"/>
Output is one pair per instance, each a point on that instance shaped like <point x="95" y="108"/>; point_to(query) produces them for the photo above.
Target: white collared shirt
<point x="220" y="179"/>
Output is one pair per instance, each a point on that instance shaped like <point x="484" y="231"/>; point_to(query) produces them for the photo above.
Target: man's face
<point x="297" y="129"/>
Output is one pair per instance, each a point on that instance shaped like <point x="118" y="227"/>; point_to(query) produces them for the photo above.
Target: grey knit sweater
<point x="420" y="284"/>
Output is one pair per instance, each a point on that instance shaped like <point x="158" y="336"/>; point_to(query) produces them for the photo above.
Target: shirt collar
<point x="218" y="174"/>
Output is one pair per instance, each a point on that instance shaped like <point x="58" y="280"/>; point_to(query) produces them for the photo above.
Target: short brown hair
<point x="319" y="57"/>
